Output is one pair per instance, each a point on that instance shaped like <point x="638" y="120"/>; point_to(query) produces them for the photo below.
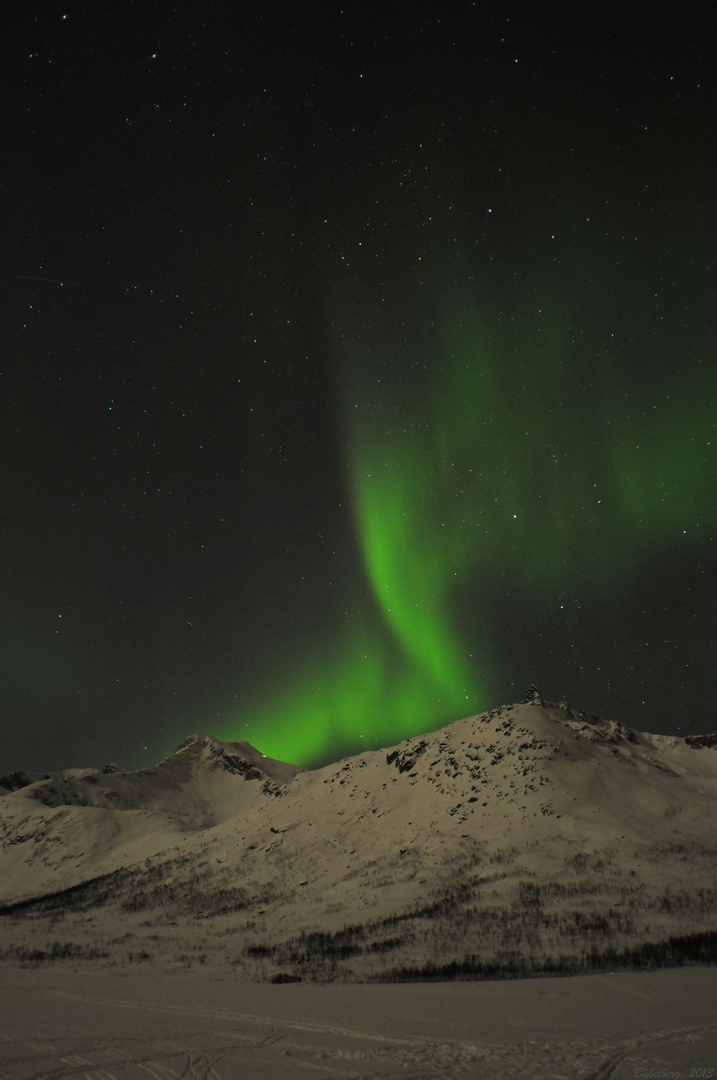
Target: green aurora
<point x="499" y="455"/>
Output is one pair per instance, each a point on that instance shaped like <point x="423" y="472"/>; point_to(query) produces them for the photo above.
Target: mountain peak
<point x="533" y="696"/>
<point x="235" y="757"/>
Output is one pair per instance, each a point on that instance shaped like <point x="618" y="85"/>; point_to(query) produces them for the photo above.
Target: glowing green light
<point x="364" y="691"/>
<point x="503" y="455"/>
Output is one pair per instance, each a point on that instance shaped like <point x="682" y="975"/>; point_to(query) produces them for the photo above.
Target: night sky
<point x="357" y="371"/>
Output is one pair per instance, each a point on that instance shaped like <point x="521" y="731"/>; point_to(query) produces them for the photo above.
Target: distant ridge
<point x="20" y="779"/>
<point x="701" y="741"/>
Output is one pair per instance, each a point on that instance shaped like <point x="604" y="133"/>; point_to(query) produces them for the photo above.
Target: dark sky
<point x="357" y="370"/>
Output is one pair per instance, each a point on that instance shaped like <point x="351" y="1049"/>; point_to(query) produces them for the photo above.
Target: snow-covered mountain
<point x="531" y="837"/>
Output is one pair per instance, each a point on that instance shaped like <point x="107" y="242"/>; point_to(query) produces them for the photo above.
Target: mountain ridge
<point x="238" y="756"/>
<point x="515" y="836"/>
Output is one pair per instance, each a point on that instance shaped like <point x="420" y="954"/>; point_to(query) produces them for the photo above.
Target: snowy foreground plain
<point x="126" y="1025"/>
<point x="530" y="892"/>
